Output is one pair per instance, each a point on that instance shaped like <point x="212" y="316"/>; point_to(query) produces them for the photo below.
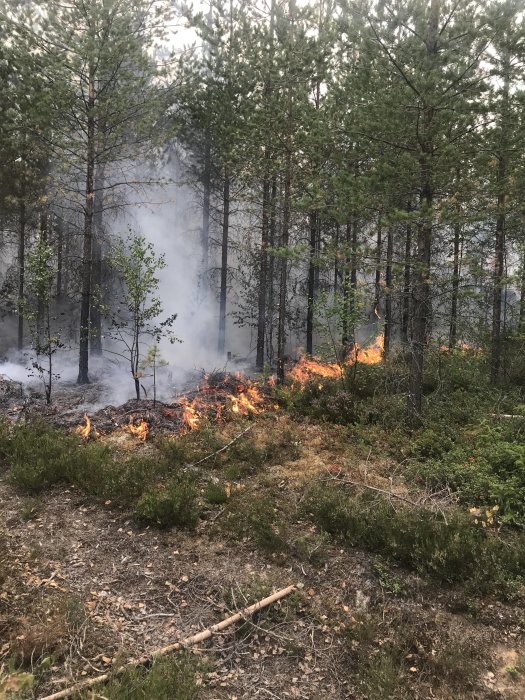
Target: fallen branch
<point x="214" y="454"/>
<point x="507" y="415"/>
<point x="372" y="488"/>
<point x="163" y="651"/>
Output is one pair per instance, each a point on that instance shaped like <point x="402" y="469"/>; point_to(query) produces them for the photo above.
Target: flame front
<point x="84" y="430"/>
<point x="190" y="415"/>
<point x="140" y="430"/>
<point x="313" y="367"/>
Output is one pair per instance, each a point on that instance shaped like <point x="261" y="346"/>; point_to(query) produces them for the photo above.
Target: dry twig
<point x="189" y="641"/>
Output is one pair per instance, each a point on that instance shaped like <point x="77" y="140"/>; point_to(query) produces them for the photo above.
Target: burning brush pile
<point x="218" y="396"/>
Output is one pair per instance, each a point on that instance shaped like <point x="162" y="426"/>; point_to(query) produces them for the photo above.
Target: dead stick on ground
<point x="214" y="454"/>
<point x="189" y="641"/>
<point x="372" y="488"/>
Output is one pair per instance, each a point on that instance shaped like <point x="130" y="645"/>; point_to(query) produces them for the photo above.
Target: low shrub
<point x="215" y="493"/>
<point x="489" y="471"/>
<point x="452" y="550"/>
<point x="175" y="678"/>
<point x="175" y="503"/>
<point x="255" y="516"/>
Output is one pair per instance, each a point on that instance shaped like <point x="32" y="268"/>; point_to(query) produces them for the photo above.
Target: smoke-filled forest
<point x="262" y="349"/>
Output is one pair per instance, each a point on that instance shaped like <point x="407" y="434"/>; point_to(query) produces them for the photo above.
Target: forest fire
<point x="140" y="429"/>
<point x="84" y="430"/>
<point x="310" y="367"/>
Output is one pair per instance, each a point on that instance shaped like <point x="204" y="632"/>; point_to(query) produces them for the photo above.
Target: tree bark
<point x="272" y="232"/>
<point x="263" y="275"/>
<point x="87" y="247"/>
<point x="499" y="242"/>
<point x="95" y="316"/>
<point x="421" y="288"/>
<point x="311" y="283"/>
<point x="377" y="284"/>
<point x="60" y="258"/>
<point x="453" y="331"/>
<point x="224" y="262"/>
<point x="407" y="280"/>
<point x="388" y="292"/>
<point x="21" y="268"/>
<point x="521" y="326"/>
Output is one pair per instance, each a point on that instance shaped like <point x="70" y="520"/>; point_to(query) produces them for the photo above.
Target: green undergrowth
<point x="174" y="678"/>
<point x="158" y="483"/>
<point x="397" y="655"/>
<point x="452" y="549"/>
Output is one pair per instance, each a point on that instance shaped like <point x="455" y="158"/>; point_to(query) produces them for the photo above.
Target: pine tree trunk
<point x="263" y="274"/>
<point x="407" y="280"/>
<point x="499" y="243"/>
<point x="421" y="308"/>
<point x="377" y="284"/>
<point x="388" y="292"/>
<point x="311" y="283"/>
<point x="41" y="302"/>
<point x="95" y="318"/>
<point x="21" y="268"/>
<point x="271" y="271"/>
<point x="453" y="332"/>
<point x="521" y="326"/>
<point x="87" y="246"/>
<point x="60" y="258"/>
<point x="224" y="262"/>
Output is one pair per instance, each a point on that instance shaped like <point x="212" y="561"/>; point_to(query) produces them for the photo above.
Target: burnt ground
<point x="87" y="587"/>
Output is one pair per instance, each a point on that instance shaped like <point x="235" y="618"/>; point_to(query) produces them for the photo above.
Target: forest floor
<point x="86" y="585"/>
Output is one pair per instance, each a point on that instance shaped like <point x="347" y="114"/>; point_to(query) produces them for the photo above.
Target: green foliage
<point x="486" y="469"/>
<point x="175" y="503"/>
<point x="256" y="516"/>
<point x="215" y="493"/>
<point x="452" y="550"/>
<point x="168" y="679"/>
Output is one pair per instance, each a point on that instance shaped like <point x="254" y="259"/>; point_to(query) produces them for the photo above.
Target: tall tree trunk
<point x="453" y="331"/>
<point x="87" y="247"/>
<point x="499" y="242"/>
<point x="266" y="215"/>
<point x="271" y="271"/>
<point x="224" y="262"/>
<point x="421" y="289"/>
<point x="95" y="316"/>
<point x="377" y="284"/>
<point x="407" y="280"/>
<point x="388" y="291"/>
<point x="336" y="261"/>
<point x="21" y="268"/>
<point x="521" y="326"/>
<point x="263" y="274"/>
<point x="41" y="302"/>
<point x="60" y="258"/>
<point x="311" y="283"/>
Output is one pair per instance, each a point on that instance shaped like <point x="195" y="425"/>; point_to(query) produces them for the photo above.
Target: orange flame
<point x="140" y="430"/>
<point x="190" y="415"/>
<point x="312" y="367"/>
<point x="85" y="430"/>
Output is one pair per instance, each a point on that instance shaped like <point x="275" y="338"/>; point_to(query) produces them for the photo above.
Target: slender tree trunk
<point x="60" y="258"/>
<point x="263" y="274"/>
<point x="41" y="301"/>
<point x="421" y="308"/>
<point x="521" y="327"/>
<point x="407" y="280"/>
<point x="311" y="283"/>
<point x="453" y="331"/>
<point x="336" y="261"/>
<point x="271" y="271"/>
<point x="499" y="242"/>
<point x="377" y="285"/>
<point x="85" y="304"/>
<point x="224" y="262"/>
<point x="21" y="268"/>
<point x="95" y="316"/>
<point x="388" y="292"/>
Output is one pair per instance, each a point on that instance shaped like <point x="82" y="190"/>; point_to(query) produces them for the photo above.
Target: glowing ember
<point x="140" y="429"/>
<point x="85" y="430"/>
